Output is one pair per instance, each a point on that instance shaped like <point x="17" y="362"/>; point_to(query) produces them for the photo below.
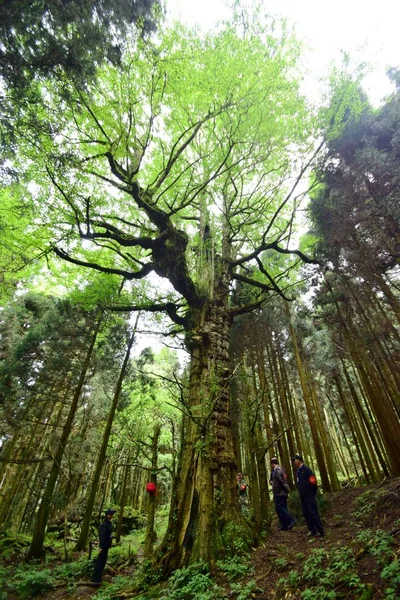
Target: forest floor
<point x="359" y="558"/>
<point x="362" y="527"/>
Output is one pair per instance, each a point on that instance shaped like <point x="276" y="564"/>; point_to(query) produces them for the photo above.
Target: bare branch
<point x="252" y="282"/>
<point x="169" y="307"/>
<point x="264" y="452"/>
<point x="147" y="268"/>
<point x="296" y="183"/>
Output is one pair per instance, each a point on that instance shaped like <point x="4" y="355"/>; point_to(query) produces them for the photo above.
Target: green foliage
<point x="365" y="504"/>
<point x="74" y="570"/>
<point x="378" y="543"/>
<point x="346" y="98"/>
<point x="281" y="563"/>
<point x="234" y="540"/>
<point x="30" y="583"/>
<point x="322" y="573"/>
<point x="192" y="583"/>
<point x="147" y="576"/>
<point x="110" y="591"/>
<point x="244" y="591"/>
<point x="74" y="37"/>
<point x="391" y="575"/>
<point x="13" y="545"/>
<point x="235" y="566"/>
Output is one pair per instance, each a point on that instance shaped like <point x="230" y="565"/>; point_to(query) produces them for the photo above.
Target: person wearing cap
<point x="105" y="541"/>
<point x="280" y="492"/>
<point x="306" y="484"/>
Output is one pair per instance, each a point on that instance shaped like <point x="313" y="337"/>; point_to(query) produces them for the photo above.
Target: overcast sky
<point x="367" y="29"/>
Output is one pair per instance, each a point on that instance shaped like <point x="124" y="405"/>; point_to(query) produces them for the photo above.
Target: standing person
<point x="280" y="492"/>
<point x="306" y="484"/>
<point x="105" y="541"/>
<point x="242" y="492"/>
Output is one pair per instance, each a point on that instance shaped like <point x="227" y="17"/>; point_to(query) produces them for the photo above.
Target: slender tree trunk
<point x="326" y="442"/>
<point x="262" y="476"/>
<point x="345" y="440"/>
<point x="36" y="547"/>
<point x="369" y="433"/>
<point x="309" y="408"/>
<point x="83" y="536"/>
<point x="151" y="500"/>
<point x="382" y="406"/>
<point x="122" y="500"/>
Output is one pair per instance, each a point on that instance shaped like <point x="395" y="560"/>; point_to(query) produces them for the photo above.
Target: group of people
<point x="306" y="484"/>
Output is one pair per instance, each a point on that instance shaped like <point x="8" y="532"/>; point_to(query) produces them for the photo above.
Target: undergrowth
<point x="326" y="575"/>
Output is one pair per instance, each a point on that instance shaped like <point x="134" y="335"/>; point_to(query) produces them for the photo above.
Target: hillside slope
<point x="362" y="543"/>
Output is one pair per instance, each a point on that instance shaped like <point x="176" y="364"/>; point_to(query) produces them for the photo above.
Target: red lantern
<point x="151" y="488"/>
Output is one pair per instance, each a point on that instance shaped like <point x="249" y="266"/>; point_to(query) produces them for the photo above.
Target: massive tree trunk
<point x="206" y="494"/>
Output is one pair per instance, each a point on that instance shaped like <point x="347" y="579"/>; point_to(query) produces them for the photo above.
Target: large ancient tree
<point x="181" y="166"/>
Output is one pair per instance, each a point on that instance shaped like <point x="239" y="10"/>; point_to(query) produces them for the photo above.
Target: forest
<point x="199" y="272"/>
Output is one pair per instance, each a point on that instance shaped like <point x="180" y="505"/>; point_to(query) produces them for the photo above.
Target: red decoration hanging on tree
<point x="151" y="488"/>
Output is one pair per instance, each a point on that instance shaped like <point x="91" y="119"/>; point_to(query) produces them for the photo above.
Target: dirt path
<point x="350" y="512"/>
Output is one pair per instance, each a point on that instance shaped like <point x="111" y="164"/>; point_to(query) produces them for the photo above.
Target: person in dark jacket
<point x="306" y="484"/>
<point x="105" y="541"/>
<point x="280" y="491"/>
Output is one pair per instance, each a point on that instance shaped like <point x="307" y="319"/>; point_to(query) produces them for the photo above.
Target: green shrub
<point x="192" y="583"/>
<point x="111" y="591"/>
<point x="391" y="573"/>
<point x="235" y="566"/>
<point x="28" y="584"/>
<point x="378" y="543"/>
<point x="244" y="591"/>
<point x="365" y="504"/>
<point x="12" y="545"/>
<point x="235" y="539"/>
<point x="322" y="573"/>
<point x="281" y="563"/>
<point x="73" y="570"/>
<point x="146" y="575"/>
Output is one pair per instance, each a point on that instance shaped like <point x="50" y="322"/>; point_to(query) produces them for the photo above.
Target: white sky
<point x="367" y="29"/>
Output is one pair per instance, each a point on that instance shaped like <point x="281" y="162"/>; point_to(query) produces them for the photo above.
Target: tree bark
<point x="151" y="500"/>
<point x="36" y="547"/>
<point x="83" y="536"/>
<point x="206" y="494"/>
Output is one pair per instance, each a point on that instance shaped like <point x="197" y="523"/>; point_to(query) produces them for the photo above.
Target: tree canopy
<point x="167" y="176"/>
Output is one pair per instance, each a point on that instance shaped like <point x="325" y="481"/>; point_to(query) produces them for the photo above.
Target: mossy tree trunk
<point x="206" y="494"/>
